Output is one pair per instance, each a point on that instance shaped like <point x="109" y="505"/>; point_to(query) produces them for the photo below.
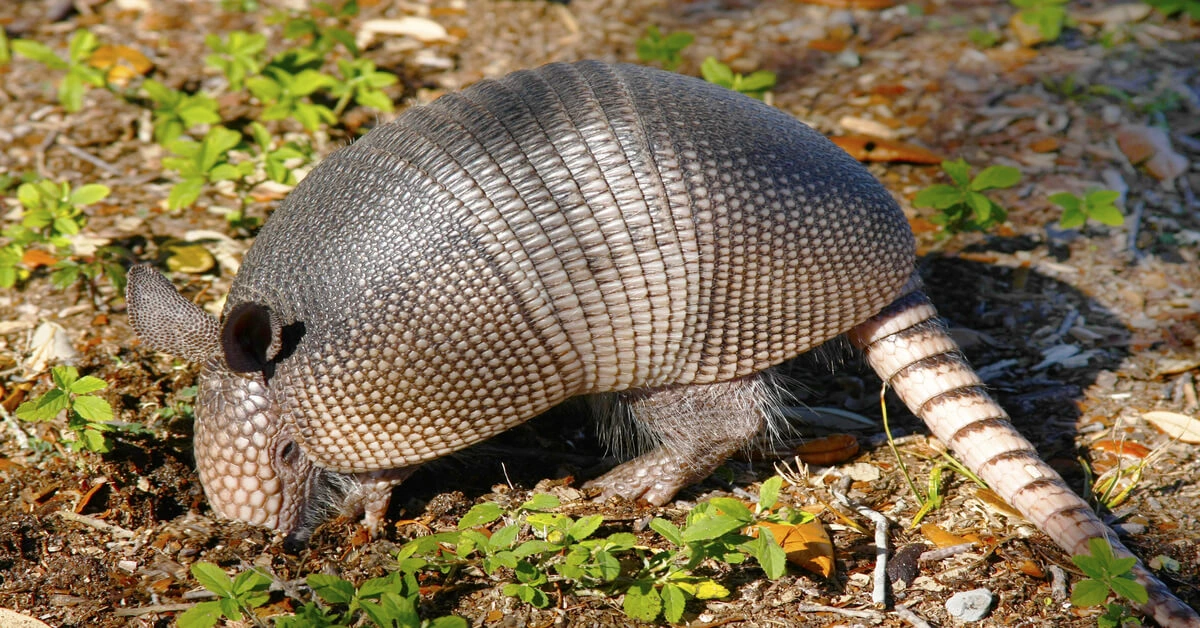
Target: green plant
<point x="234" y="597"/>
<point x="1048" y="16"/>
<point x="5" y="51"/>
<point x="238" y="56"/>
<point x="983" y="38"/>
<point x="665" y="49"/>
<point x="206" y="161"/>
<point x="175" y="112"/>
<point x="1171" y="7"/>
<point x="286" y="95"/>
<point x="362" y="82"/>
<point x="278" y="162"/>
<point x="1107" y="573"/>
<point x="88" y="416"/>
<point x="754" y="85"/>
<point x="388" y="602"/>
<point x="565" y="553"/>
<point x="79" y="76"/>
<point x="322" y="37"/>
<point x="1095" y="205"/>
<point x="962" y="206"/>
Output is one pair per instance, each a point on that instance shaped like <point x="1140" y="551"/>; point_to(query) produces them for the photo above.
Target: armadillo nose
<point x="297" y="539"/>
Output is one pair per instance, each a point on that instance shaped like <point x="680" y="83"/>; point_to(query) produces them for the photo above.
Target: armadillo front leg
<point x="695" y="428"/>
<point x="909" y="348"/>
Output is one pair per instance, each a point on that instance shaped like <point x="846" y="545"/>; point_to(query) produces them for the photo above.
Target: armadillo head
<point x="252" y="467"/>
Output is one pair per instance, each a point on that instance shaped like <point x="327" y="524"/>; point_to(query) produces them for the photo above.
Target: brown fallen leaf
<point x="1175" y="425"/>
<point x="121" y="62"/>
<point x="827" y="450"/>
<point x="867" y="148"/>
<point x="37" y="257"/>
<point x="1122" y="448"/>
<point x="1150" y="147"/>
<point x="941" y="538"/>
<point x="993" y="501"/>
<point x="807" y="545"/>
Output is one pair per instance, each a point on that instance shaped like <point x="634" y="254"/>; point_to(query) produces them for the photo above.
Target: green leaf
<point x="1129" y="589"/>
<point x="585" y="526"/>
<point x="95" y="409"/>
<point x="541" y="502"/>
<point x="642" y="602"/>
<point x="674" y="602"/>
<point x="994" y="177"/>
<point x="504" y="537"/>
<point x="1107" y="214"/>
<point x="94" y="441"/>
<point x="711" y="528"/>
<point x="392" y="610"/>
<point x="769" y="554"/>
<point x="37" y="51"/>
<point x="64" y="376"/>
<point x="70" y="93"/>
<point x="88" y="194"/>
<point x="87" y="384"/>
<point x="959" y="172"/>
<point x="716" y="72"/>
<point x="202" y="615"/>
<point x="375" y="100"/>
<point x="44" y="408"/>
<point x="82" y="45"/>
<point x="735" y="508"/>
<point x="1066" y="200"/>
<point x="758" y="81"/>
<point x="331" y="589"/>
<point x="185" y="193"/>
<point x="1072" y="218"/>
<point x="982" y="206"/>
<point x="449" y="622"/>
<point x="375" y="587"/>
<point x="768" y="493"/>
<point x="480" y="514"/>
<point x="1089" y="593"/>
<point x="213" y="578"/>
<point x="938" y="197"/>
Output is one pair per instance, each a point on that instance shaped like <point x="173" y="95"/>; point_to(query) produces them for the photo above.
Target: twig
<point x="945" y="552"/>
<point x="90" y="158"/>
<point x="907" y="615"/>
<point x="1058" y="583"/>
<point x="39" y="153"/>
<point x="848" y="612"/>
<point x="99" y="524"/>
<point x="154" y="608"/>
<point x="879" y="591"/>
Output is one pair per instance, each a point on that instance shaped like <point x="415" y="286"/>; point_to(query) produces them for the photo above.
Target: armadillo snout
<point x="251" y="468"/>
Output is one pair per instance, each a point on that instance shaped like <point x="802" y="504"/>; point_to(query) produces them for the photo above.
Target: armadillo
<point x="579" y="229"/>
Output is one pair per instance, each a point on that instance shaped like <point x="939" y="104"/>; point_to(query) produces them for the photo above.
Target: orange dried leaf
<point x="1122" y="448"/>
<point x="827" y="45"/>
<point x="36" y="257"/>
<point x="920" y="225"/>
<point x="807" y="545"/>
<point x="991" y="499"/>
<point x="828" y="450"/>
<point x="940" y="537"/>
<point x="121" y="62"/>
<point x="1045" y="145"/>
<point x="1030" y="568"/>
<point x="867" y="148"/>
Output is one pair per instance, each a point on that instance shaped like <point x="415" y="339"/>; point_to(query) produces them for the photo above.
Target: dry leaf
<point x="1115" y="15"/>
<point x="807" y="545"/>
<point x="993" y="501"/>
<point x="122" y="63"/>
<point x="940" y="537"/>
<point x="50" y="345"/>
<point x="1122" y="448"/>
<point x="1027" y="35"/>
<point x="828" y="450"/>
<point x="1151" y="147"/>
<point x="419" y="28"/>
<point x="37" y="257"/>
<point x="868" y="148"/>
<point x="870" y="128"/>
<point x="1175" y="425"/>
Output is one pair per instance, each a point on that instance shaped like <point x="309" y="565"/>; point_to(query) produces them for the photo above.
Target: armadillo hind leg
<point x="693" y="429"/>
<point x="910" y="350"/>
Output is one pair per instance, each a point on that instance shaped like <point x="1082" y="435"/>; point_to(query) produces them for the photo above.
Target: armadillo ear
<point x="251" y="338"/>
<point x="166" y="321"/>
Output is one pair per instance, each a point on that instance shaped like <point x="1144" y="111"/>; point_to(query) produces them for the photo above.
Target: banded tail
<point x="909" y="348"/>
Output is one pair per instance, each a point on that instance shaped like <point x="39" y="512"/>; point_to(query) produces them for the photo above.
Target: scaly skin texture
<point x="572" y="230"/>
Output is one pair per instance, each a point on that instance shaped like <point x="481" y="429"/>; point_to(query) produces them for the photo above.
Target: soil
<point x="91" y="540"/>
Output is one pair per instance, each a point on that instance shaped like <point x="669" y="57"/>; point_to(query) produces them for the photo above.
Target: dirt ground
<point x="1123" y="301"/>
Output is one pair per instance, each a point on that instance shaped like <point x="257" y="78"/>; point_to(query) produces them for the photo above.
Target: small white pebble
<point x="971" y="605"/>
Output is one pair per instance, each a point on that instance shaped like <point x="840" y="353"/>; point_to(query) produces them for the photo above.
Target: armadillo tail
<point x="909" y="348"/>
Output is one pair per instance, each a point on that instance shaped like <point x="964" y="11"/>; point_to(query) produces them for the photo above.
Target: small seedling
<point x="665" y="49"/>
<point x="1049" y="16"/>
<point x="175" y="112"/>
<point x="286" y="95"/>
<point x="234" y="597"/>
<point x="88" y="415"/>
<point x="79" y="76"/>
<point x="963" y="206"/>
<point x="1171" y="7"/>
<point x="322" y="38"/>
<point x="206" y="161"/>
<point x="983" y="38"/>
<point x="1107" y="573"/>
<point x="755" y="85"/>
<point x="238" y="56"/>
<point x="280" y="162"/>
<point x="1095" y="205"/>
<point x="363" y="83"/>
